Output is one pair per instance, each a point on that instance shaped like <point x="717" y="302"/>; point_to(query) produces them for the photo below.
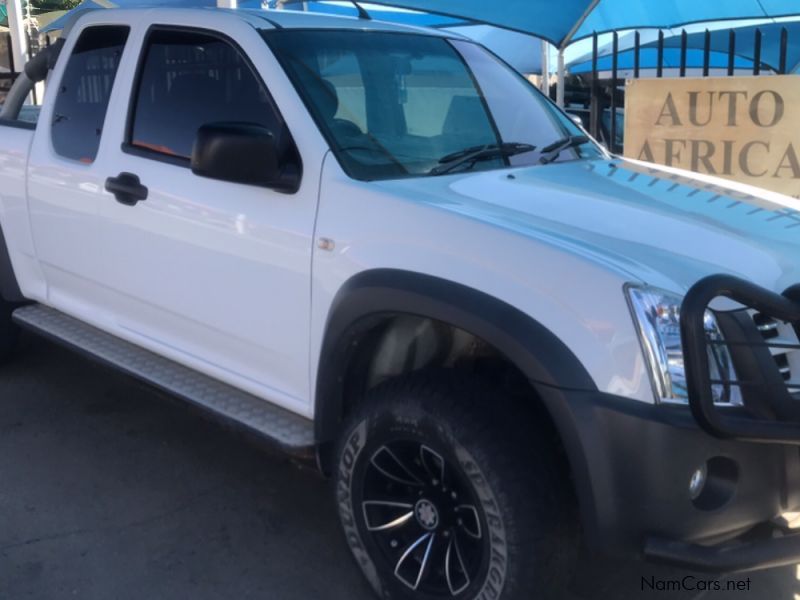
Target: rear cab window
<point x="81" y="102"/>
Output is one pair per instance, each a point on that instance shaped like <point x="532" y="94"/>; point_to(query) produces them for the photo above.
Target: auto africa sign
<point x="741" y="128"/>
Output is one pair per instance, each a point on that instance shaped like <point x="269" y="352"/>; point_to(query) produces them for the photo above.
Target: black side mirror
<point x="243" y="153"/>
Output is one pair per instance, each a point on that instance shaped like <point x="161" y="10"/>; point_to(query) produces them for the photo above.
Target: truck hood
<point x="656" y="225"/>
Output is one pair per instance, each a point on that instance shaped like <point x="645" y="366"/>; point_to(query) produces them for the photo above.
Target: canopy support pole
<point x="566" y="42"/>
<point x="19" y="41"/>
<point x="568" y="38"/>
<point x="562" y="78"/>
<point x="545" y="86"/>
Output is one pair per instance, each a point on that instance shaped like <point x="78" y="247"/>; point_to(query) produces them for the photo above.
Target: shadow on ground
<point x="110" y="490"/>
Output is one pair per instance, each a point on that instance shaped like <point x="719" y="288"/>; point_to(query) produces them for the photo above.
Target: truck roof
<point x="292" y="19"/>
<point x="268" y="19"/>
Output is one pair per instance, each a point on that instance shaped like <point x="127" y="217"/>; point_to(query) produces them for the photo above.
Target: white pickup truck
<point x="384" y="250"/>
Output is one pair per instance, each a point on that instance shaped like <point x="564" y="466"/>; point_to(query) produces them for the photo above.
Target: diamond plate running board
<point x="290" y="431"/>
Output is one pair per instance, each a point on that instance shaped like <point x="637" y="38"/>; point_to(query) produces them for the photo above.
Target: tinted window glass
<point x="191" y="79"/>
<point x="514" y="104"/>
<point x="343" y="71"/>
<point x="393" y="104"/>
<point x="400" y="105"/>
<point x="82" y="100"/>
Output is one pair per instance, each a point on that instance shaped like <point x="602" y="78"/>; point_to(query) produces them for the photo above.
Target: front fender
<point x="371" y="295"/>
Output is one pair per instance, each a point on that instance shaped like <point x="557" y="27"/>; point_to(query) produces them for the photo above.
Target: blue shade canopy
<point x="624" y="14"/>
<point x="546" y="19"/>
<point x="568" y="20"/>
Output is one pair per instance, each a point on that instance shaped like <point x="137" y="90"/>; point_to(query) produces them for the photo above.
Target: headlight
<point x="657" y="316"/>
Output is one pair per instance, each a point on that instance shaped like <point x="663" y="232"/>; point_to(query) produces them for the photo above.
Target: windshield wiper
<point x="552" y="152"/>
<point x="469" y="156"/>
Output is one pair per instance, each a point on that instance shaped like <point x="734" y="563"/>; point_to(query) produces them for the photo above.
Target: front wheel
<point x="444" y="492"/>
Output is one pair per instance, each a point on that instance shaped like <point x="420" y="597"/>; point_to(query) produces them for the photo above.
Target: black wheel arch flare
<point x="370" y="296"/>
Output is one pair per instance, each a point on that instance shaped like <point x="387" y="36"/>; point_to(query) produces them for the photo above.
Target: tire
<point x="444" y="491"/>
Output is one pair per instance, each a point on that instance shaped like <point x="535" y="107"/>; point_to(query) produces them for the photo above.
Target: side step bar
<point x="737" y="558"/>
<point x="293" y="433"/>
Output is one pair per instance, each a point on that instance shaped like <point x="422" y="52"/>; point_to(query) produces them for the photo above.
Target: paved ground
<point x="109" y="491"/>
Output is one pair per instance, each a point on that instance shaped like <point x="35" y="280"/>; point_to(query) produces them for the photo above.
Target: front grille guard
<point x="779" y="427"/>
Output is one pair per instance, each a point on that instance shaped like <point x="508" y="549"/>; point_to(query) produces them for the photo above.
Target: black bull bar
<point x="764" y="391"/>
<point x="770" y="413"/>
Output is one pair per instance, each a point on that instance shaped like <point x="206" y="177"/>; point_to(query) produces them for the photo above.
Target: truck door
<point x="213" y="274"/>
<point x="67" y="170"/>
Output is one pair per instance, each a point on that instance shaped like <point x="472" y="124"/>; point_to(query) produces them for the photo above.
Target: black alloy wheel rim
<point x="424" y="518"/>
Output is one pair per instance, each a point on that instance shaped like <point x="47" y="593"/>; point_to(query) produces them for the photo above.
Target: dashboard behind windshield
<point x="393" y="105"/>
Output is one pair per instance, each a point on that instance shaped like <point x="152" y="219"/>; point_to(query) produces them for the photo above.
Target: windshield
<point x="395" y="105"/>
